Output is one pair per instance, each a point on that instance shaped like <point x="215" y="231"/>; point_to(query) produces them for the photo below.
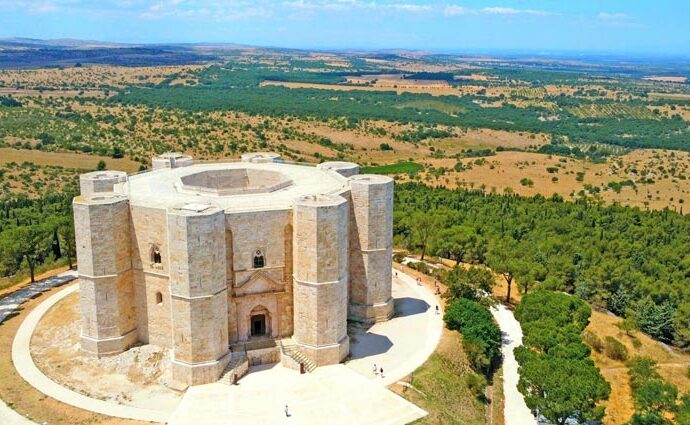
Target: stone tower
<point x="105" y="272"/>
<point x="320" y="277"/>
<point x="198" y="288"/>
<point x="371" y="234"/>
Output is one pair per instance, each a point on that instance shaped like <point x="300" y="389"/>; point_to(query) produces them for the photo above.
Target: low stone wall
<point x="289" y="362"/>
<point x="263" y="356"/>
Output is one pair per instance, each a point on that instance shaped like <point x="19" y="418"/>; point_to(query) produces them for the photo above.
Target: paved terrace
<point x="347" y="393"/>
<point x="165" y="188"/>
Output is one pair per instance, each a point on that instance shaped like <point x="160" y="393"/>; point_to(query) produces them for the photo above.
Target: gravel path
<point x="516" y="411"/>
<point x="8" y="305"/>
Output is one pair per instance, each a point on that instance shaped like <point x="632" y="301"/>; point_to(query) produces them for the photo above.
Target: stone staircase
<point x="238" y="365"/>
<point x="290" y="349"/>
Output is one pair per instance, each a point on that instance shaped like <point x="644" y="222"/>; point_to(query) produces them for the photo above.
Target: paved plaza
<point x="348" y="393"/>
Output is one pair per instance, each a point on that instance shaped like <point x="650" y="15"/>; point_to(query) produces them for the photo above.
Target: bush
<point x="652" y="418"/>
<point x="420" y="266"/>
<point x="593" y="341"/>
<point x="651" y="393"/>
<point x="399" y="257"/>
<point x="614" y="349"/>
<point x="481" y="335"/>
<point x="476" y="384"/>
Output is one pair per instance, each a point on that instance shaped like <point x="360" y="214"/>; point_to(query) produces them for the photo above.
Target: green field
<point x="397" y="168"/>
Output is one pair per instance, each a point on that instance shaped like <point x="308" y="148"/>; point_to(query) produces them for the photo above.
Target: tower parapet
<point x="105" y="273"/>
<point x="198" y="288"/>
<point x="371" y="249"/>
<point x="345" y="169"/>
<point x="171" y="160"/>
<point x="320" y="277"/>
<point x="261" y="157"/>
<point x="100" y="181"/>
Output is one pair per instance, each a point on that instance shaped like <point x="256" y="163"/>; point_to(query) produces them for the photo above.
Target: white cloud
<point x="496" y="10"/>
<point x="454" y="10"/>
<point x="604" y="16"/>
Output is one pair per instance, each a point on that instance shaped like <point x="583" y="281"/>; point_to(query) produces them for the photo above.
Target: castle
<point x="196" y="257"/>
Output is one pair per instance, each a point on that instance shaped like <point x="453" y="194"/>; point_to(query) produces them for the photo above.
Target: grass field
<point x="673" y="365"/>
<point x="397" y="168"/>
<point x="665" y="173"/>
<point x="613" y="110"/>
<point x="65" y="159"/>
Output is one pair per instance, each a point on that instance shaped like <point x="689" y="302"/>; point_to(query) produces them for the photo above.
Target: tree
<point x="559" y="388"/>
<point x="471" y="283"/>
<point x="502" y="260"/>
<point x="424" y="226"/>
<point x="629" y="324"/>
<point x="101" y="165"/>
<point x="66" y="235"/>
<point x="30" y="244"/>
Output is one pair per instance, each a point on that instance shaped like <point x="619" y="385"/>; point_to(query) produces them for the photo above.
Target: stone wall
<point x="371" y="235"/>
<point x="199" y="294"/>
<point x="105" y="273"/>
<point x="320" y="277"/>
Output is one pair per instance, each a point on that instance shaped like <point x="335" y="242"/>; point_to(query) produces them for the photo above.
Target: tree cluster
<point x="557" y="377"/>
<point x="629" y="261"/>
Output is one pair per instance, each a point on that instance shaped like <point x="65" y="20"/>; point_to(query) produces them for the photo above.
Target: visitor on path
<point x="287" y="412"/>
<point x="437" y="312"/>
<point x="376" y="370"/>
<point x="381" y="373"/>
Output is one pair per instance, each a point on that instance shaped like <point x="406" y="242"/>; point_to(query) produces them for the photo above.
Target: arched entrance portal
<point x="258" y="325"/>
<point x="259" y="322"/>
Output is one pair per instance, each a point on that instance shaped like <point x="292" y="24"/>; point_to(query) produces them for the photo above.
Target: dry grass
<point x="91" y="76"/>
<point x="30" y="402"/>
<point x="507" y="169"/>
<point x="65" y="159"/>
<point x="673" y="365"/>
<point x="440" y="388"/>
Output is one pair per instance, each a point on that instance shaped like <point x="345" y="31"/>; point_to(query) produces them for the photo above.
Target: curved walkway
<point x="23" y="362"/>
<point x="515" y="411"/>
<point x="8" y="305"/>
<point x="404" y="343"/>
<point x="411" y="336"/>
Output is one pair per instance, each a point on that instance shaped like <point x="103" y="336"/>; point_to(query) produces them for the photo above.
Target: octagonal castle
<point x="198" y="257"/>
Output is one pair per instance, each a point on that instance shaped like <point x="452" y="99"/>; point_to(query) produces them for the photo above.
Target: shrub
<point x="399" y="257"/>
<point x="593" y="341"/>
<point x="476" y="384"/>
<point x="615" y="349"/>
<point x="481" y="335"/>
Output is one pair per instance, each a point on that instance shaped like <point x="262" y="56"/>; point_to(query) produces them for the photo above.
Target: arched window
<point x="159" y="298"/>
<point x="258" y="259"/>
<point x="155" y="255"/>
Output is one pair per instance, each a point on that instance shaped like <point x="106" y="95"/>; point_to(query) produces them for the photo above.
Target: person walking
<point x="381" y="373"/>
<point x="376" y="370"/>
<point x="287" y="412"/>
<point x="437" y="312"/>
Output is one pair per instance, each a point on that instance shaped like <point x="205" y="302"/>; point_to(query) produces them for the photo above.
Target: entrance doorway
<point x="258" y="325"/>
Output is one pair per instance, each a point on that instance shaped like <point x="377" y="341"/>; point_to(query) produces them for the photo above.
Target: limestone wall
<point x="320" y="277"/>
<point x="199" y="294"/>
<point x="371" y="235"/>
<point x="100" y="181"/>
<point x="345" y="169"/>
<point x="270" y="286"/>
<point x="105" y="273"/>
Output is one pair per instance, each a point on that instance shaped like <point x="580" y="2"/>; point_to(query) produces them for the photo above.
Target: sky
<point x="656" y="27"/>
